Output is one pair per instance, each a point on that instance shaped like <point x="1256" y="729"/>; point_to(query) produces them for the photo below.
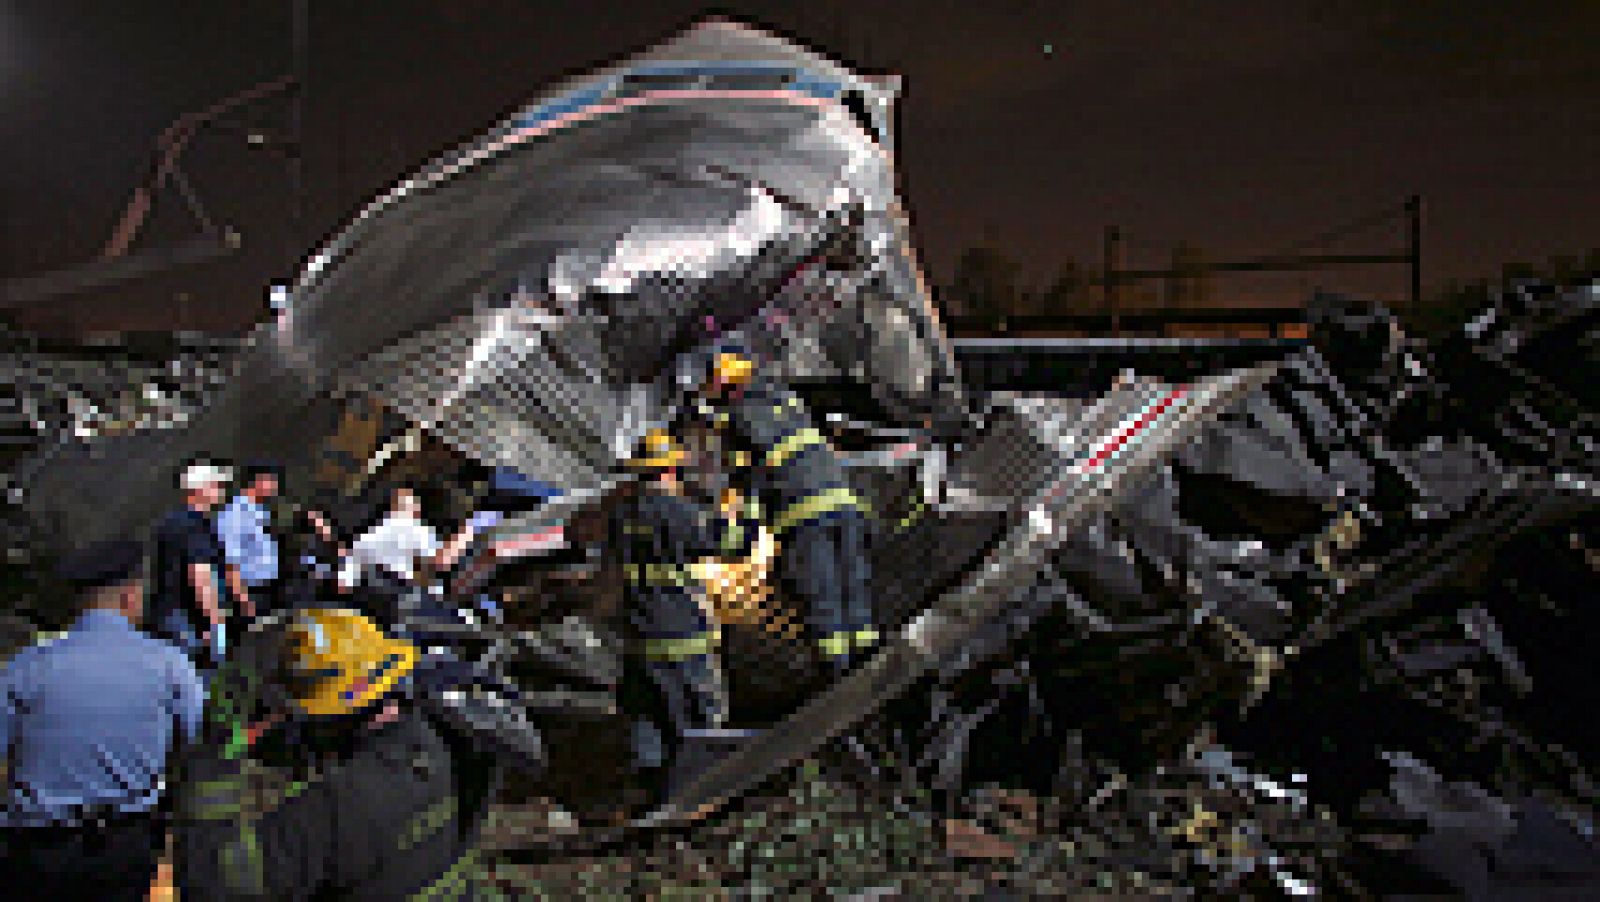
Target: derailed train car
<point x="531" y="300"/>
<point x="534" y="299"/>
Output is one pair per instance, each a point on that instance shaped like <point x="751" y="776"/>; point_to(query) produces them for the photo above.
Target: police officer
<point x="391" y="803"/>
<point x="818" y="521"/>
<point x="87" y="722"/>
<point x="657" y="533"/>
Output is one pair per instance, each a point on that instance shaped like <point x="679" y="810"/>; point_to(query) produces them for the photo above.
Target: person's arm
<point x="234" y="530"/>
<point x="441" y="559"/>
<point x="202" y="577"/>
<point x="10" y="692"/>
<point x="450" y="552"/>
<point x="188" y="698"/>
<point x="319" y="524"/>
<point x="236" y="585"/>
<point x="223" y="854"/>
<point x="346" y="582"/>
<point x="8" y="710"/>
<point x="350" y="564"/>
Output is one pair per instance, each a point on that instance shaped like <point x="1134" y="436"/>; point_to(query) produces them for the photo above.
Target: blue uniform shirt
<point x="246" y="544"/>
<point x="88" y="720"/>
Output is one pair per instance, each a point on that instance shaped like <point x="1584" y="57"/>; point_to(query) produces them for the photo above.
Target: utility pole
<point x="299" y="58"/>
<point x="1109" y="277"/>
<point x="1414" y="250"/>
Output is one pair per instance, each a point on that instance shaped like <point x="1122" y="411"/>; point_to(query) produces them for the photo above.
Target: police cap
<point x="101" y="564"/>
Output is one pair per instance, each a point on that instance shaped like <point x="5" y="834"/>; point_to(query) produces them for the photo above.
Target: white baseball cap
<point x="202" y="473"/>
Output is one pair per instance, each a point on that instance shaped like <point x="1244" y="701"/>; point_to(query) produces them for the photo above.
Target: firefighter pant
<point x="824" y="564"/>
<point x="678" y="646"/>
<point x="691" y="689"/>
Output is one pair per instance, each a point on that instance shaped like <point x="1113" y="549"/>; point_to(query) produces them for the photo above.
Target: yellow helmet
<point x="733" y="368"/>
<point x="658" y="449"/>
<point x="340" y="662"/>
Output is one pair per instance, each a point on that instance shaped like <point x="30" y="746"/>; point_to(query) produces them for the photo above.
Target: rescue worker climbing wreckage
<point x="658" y="534"/>
<point x="819" y="523"/>
<point x="387" y="801"/>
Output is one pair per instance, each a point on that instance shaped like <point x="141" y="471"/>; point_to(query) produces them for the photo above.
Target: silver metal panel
<point x="646" y="212"/>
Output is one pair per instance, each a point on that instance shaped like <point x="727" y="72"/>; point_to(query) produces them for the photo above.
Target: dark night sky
<point x="1241" y="127"/>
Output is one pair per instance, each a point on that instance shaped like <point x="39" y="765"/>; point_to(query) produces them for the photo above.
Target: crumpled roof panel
<point x="623" y="219"/>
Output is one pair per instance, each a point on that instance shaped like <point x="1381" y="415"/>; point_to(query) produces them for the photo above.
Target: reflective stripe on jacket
<point x="659" y="536"/>
<point x="384" y="822"/>
<point x="800" y="476"/>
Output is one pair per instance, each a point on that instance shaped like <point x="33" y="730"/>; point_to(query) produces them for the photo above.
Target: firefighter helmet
<point x="658" y="450"/>
<point x="340" y="662"/>
<point x="732" y="368"/>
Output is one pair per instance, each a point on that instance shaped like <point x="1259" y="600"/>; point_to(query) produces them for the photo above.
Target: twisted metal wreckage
<point x="1147" y="559"/>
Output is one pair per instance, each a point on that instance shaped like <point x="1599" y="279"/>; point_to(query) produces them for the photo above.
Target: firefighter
<point x="819" y="523"/>
<point x="391" y="804"/>
<point x="658" y="533"/>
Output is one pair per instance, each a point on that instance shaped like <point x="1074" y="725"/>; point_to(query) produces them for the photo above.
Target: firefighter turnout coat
<point x="394" y="816"/>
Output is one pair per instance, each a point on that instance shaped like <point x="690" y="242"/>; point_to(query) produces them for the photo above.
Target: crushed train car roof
<point x="528" y="296"/>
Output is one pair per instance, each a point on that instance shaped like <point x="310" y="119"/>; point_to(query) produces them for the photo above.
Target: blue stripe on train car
<point x="801" y="82"/>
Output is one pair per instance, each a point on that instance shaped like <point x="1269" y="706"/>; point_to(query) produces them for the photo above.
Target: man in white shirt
<point x="401" y="547"/>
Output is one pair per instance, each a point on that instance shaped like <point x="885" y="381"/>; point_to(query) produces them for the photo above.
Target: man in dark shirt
<point x="187" y="602"/>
